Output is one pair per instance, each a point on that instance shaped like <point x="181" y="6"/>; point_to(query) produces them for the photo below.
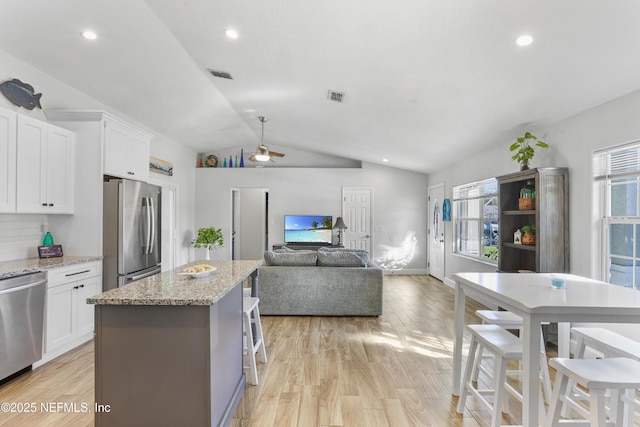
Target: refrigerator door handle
<point x="147" y="236"/>
<point x="152" y="216"/>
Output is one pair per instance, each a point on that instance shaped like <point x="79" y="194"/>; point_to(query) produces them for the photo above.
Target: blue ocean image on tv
<point x="307" y="228"/>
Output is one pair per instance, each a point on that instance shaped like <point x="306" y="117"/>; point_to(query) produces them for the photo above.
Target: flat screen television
<point x="308" y="229"/>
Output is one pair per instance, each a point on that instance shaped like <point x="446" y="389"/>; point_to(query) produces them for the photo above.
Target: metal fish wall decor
<point x="21" y="94"/>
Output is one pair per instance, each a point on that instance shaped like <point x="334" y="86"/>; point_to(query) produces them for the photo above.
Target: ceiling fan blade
<point x="275" y="154"/>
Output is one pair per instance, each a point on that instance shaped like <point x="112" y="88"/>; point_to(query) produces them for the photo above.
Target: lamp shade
<point x="340" y="225"/>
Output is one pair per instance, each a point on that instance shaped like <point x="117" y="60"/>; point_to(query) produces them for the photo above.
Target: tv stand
<point x="308" y="246"/>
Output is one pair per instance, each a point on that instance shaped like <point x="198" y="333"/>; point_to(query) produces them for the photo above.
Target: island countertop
<point x="173" y="288"/>
<point x="33" y="265"/>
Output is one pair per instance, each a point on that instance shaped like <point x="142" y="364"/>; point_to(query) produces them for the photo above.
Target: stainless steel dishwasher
<point x="21" y="321"/>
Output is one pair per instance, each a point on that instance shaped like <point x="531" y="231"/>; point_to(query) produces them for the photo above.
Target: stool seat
<point x="505" y="319"/>
<point x="498" y="341"/>
<point x="618" y="374"/>
<point x="614" y="372"/>
<point x="609" y="342"/>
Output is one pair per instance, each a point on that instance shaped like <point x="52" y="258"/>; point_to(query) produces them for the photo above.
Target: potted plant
<point x="525" y="151"/>
<point x="529" y="235"/>
<point x="208" y="238"/>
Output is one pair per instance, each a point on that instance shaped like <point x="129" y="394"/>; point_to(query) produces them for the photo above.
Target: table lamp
<point x="340" y="226"/>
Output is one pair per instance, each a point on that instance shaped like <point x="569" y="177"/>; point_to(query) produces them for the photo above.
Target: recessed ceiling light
<point x="231" y="33"/>
<point x="385" y="160"/>
<point x="524" y="40"/>
<point x="89" y="35"/>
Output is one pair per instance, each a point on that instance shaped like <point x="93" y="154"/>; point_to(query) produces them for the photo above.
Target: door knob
<point x="366" y="237"/>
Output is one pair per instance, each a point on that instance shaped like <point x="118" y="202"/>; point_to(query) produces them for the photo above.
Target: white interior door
<point x="356" y="213"/>
<point x="249" y="222"/>
<point x="435" y="233"/>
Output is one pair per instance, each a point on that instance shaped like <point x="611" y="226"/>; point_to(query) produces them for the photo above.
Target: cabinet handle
<point x="44" y="204"/>
<point x="131" y="173"/>
<point x="75" y="287"/>
<point x="76" y="273"/>
<point x="50" y="204"/>
<point x="82" y="286"/>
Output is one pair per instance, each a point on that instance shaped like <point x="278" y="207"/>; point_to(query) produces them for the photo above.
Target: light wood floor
<point x="394" y="370"/>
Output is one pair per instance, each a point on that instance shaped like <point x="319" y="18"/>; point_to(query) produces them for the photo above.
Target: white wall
<point x="572" y="143"/>
<point x="59" y="96"/>
<point x="399" y="201"/>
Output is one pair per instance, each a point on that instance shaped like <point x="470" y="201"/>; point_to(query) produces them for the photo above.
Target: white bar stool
<point x="504" y="346"/>
<point x="253" y="344"/>
<point x="610" y="344"/>
<point x="509" y="320"/>
<point x="598" y="375"/>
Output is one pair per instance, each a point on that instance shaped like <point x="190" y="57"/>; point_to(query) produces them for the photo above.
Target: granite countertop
<point x="173" y="288"/>
<point x="33" y="265"/>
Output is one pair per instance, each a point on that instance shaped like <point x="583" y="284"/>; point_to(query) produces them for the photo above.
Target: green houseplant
<point x="524" y="149"/>
<point x="208" y="238"/>
<point x="529" y="235"/>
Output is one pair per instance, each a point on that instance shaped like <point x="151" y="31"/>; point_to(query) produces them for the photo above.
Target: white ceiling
<point x="425" y="81"/>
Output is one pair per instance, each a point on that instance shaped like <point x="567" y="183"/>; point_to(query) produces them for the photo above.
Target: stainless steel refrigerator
<point x="131" y="232"/>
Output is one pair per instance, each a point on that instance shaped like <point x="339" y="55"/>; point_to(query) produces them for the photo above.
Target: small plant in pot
<point x="525" y="151"/>
<point x="529" y="235"/>
<point x="208" y="238"/>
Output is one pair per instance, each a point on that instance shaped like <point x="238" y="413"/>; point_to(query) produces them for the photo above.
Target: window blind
<point x="617" y="162"/>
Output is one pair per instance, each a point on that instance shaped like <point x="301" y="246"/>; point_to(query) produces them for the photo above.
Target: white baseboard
<point x="450" y="283"/>
<point x="49" y="356"/>
<point x="406" y="272"/>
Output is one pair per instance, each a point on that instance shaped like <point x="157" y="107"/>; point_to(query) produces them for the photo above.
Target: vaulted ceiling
<point x="423" y="81"/>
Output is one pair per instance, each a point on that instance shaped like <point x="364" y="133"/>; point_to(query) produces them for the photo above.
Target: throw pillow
<point x="295" y="258"/>
<point x="332" y="257"/>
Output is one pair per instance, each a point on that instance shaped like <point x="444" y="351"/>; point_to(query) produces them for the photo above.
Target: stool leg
<point x="466" y="379"/>
<point x="580" y="350"/>
<point x="262" y="351"/>
<point x="499" y="378"/>
<point x="251" y="354"/>
<point x="544" y="366"/>
<point x="559" y="390"/>
<point x="476" y="364"/>
<point x="598" y="411"/>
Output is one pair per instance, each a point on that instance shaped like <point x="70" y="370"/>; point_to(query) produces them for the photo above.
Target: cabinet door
<point x="126" y="151"/>
<point x="31" y="180"/>
<point x="59" y="164"/>
<point x="138" y="156"/>
<point x="85" y="312"/>
<point x="7" y="161"/>
<point x="60" y="326"/>
<point x="115" y="148"/>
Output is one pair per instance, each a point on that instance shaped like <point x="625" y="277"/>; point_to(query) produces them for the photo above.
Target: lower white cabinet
<point x="69" y="320"/>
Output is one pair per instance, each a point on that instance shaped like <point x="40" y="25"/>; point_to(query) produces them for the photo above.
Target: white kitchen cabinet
<point x="45" y="167"/>
<point x="7" y="160"/>
<point x="126" y="150"/>
<point x="69" y="319"/>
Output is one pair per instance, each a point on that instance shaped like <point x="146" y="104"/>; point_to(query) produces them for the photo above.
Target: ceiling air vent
<point x="335" y="96"/>
<point x="221" y="74"/>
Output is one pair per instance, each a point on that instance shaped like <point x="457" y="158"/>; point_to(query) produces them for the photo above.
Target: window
<point x="475" y="209"/>
<point x="617" y="171"/>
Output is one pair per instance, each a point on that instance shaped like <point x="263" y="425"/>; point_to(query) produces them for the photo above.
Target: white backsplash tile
<point x="20" y="235"/>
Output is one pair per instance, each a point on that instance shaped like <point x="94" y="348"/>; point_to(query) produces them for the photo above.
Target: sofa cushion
<point x="334" y="257"/>
<point x="295" y="258"/>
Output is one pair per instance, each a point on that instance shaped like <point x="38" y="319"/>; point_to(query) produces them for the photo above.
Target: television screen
<point x="307" y="228"/>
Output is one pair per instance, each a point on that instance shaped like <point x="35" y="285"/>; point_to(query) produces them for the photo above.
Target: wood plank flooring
<point x="393" y="370"/>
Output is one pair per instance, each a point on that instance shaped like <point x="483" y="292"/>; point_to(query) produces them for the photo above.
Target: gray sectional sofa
<point x="326" y="282"/>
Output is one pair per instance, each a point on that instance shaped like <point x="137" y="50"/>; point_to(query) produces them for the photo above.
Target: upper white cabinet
<point x="45" y="167"/>
<point x="7" y="160"/>
<point x="126" y="150"/>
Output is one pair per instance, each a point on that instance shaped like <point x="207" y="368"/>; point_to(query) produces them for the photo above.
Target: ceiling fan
<point x="263" y="154"/>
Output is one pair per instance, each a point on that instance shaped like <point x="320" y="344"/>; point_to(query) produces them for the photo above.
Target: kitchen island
<point x="168" y="348"/>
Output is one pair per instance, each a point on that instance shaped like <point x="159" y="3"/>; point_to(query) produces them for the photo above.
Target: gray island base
<point x="168" y="348"/>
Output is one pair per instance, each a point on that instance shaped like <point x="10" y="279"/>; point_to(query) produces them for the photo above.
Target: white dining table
<point x="532" y="297"/>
